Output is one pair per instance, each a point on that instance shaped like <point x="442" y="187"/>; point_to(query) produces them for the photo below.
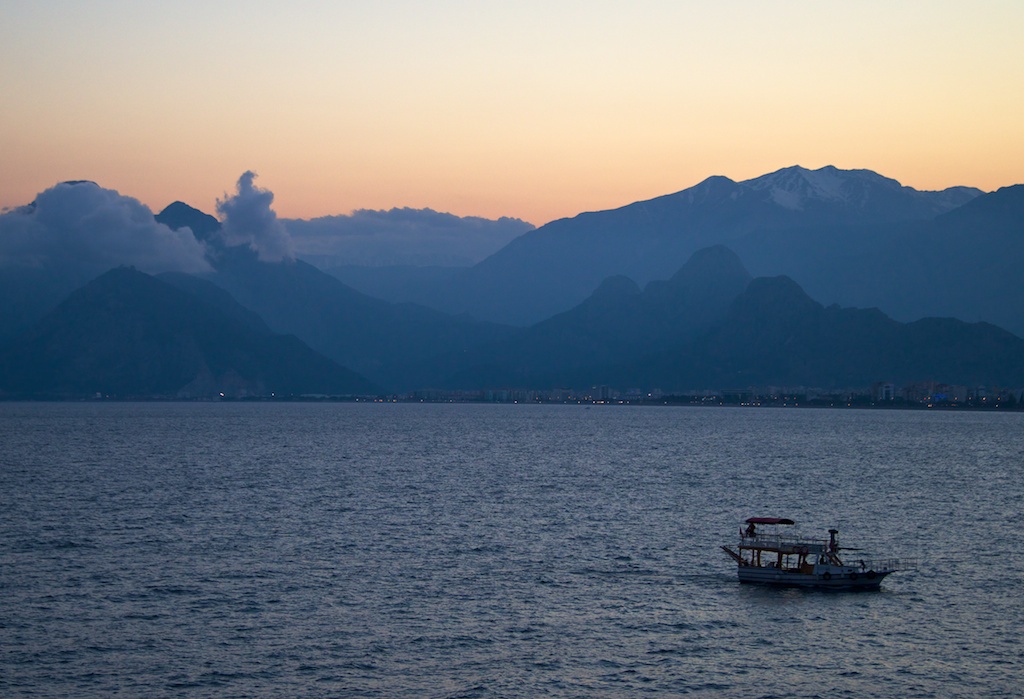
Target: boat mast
<point x="833" y="547"/>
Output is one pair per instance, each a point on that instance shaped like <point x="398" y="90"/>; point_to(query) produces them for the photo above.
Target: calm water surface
<point x="354" y="550"/>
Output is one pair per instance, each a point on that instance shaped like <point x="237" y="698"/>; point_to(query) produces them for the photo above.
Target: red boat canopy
<point x="769" y="520"/>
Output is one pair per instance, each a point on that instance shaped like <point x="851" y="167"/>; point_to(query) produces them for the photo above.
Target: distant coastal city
<point x="924" y="394"/>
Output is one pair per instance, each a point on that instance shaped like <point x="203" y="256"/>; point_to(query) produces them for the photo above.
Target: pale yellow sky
<point x="537" y="110"/>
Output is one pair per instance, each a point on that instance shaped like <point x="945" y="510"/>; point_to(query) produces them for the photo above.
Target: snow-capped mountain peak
<point x="793" y="187"/>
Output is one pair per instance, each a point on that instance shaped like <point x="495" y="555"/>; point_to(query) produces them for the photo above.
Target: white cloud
<point x="84" y="226"/>
<point x="417" y="237"/>
<point x="247" y="219"/>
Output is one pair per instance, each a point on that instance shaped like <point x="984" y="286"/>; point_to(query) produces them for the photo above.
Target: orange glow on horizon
<point x="537" y="111"/>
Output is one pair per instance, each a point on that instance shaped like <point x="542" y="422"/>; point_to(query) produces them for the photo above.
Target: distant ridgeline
<point x="854" y="287"/>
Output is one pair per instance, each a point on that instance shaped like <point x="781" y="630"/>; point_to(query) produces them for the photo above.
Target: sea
<point x="514" y="550"/>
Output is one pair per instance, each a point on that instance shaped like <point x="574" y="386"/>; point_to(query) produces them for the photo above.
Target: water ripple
<point x="238" y="550"/>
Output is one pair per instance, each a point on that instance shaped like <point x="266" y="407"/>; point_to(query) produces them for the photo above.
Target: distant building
<point x="883" y="392"/>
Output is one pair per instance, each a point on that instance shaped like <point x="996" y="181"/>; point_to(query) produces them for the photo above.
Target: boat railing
<point x="891" y="564"/>
<point x="771" y="540"/>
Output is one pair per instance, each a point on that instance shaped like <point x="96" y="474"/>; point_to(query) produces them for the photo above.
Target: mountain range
<point x="848" y="237"/>
<point x="684" y="292"/>
<point x="712" y="325"/>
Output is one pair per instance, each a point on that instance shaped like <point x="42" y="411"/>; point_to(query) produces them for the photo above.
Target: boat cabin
<point x="764" y="543"/>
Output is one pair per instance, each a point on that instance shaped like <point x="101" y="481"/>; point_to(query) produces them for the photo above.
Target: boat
<point x="768" y="555"/>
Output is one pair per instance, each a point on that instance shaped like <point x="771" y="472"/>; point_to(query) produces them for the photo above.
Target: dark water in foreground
<point x="237" y="550"/>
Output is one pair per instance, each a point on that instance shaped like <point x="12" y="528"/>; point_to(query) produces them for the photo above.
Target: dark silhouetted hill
<point x="128" y="334"/>
<point x="181" y="215"/>
<point x="776" y="335"/>
<point x="29" y="293"/>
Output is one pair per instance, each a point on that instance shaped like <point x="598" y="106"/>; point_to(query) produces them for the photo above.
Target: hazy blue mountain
<point x="215" y="296"/>
<point x="617" y="323"/>
<point x="712" y="327"/>
<point x="395" y="345"/>
<point x="966" y="263"/>
<point x="677" y="311"/>
<point x="399" y="346"/>
<point x="774" y="334"/>
<point x="767" y="221"/>
<point x="394" y="283"/>
<point x="128" y="334"/>
<point x="29" y="293"/>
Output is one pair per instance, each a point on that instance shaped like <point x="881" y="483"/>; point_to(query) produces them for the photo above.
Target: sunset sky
<point x="536" y="110"/>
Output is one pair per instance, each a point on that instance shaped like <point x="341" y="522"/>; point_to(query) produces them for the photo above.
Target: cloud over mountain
<point x="84" y="226"/>
<point x="248" y="220"/>
<point x="418" y="237"/>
